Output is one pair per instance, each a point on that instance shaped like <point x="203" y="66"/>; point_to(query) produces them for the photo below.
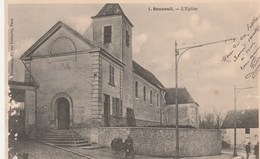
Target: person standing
<point x="256" y="150"/>
<point x="130" y="150"/>
<point x="248" y="150"/>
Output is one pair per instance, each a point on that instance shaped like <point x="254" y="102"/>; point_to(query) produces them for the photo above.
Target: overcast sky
<point x="208" y="78"/>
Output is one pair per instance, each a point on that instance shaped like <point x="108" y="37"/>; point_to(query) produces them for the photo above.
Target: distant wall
<point x="161" y="141"/>
<point x="188" y="115"/>
<point x="144" y="108"/>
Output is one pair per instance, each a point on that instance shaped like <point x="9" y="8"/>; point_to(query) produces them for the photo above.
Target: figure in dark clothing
<point x="130" y="151"/>
<point x="248" y="150"/>
<point x="256" y="150"/>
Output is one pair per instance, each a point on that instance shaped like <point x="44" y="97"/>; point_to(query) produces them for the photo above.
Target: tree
<point x="211" y="120"/>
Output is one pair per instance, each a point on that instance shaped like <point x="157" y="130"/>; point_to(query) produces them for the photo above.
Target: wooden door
<point x="63" y="113"/>
<point x="106" y="110"/>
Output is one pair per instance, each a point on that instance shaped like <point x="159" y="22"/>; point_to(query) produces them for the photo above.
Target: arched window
<point x="136" y="89"/>
<point x="62" y="46"/>
<point x="157" y="99"/>
<point x="151" y="97"/>
<point x="144" y="93"/>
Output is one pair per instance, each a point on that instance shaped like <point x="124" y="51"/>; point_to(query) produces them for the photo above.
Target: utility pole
<point x="177" y="59"/>
<point x="236" y="91"/>
<point x="176" y="102"/>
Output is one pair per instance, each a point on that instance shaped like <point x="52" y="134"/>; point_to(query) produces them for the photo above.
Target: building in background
<point x="246" y="124"/>
<point x="188" y="108"/>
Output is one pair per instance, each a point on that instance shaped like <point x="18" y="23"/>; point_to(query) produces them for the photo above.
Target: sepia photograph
<point x="132" y="80"/>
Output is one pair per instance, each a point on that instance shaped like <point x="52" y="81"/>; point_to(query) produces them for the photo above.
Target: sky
<point x="209" y="73"/>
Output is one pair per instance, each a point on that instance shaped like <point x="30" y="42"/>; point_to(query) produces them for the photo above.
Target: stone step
<point x="64" y="138"/>
<point x="74" y="145"/>
<point x="58" y="133"/>
<point x="58" y="136"/>
<point x="68" y="142"/>
<point x="60" y="139"/>
<point x="91" y="147"/>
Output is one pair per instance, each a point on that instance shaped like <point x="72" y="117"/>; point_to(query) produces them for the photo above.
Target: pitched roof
<point x="183" y="96"/>
<point x="18" y="83"/>
<point x="147" y="75"/>
<point x="111" y="9"/>
<point x="49" y="33"/>
<point x="18" y="94"/>
<point x="247" y="118"/>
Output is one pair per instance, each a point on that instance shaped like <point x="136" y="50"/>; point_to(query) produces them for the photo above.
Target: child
<point x="248" y="150"/>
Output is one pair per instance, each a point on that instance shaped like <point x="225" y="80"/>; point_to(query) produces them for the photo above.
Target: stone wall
<point x="161" y="141"/>
<point x="122" y="122"/>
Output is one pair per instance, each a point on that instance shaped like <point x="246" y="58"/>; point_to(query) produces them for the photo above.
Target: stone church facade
<point x="83" y="82"/>
<point x="90" y="80"/>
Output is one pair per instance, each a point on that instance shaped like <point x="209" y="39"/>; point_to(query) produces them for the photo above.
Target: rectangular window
<point x="136" y="89"/>
<point x="151" y="97"/>
<point x="111" y="75"/>
<point x="117" y="107"/>
<point x="247" y="131"/>
<point x="107" y="34"/>
<point x="127" y="38"/>
<point x="114" y="106"/>
<point x="144" y="93"/>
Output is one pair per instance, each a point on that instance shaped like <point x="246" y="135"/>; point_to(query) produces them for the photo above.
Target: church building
<point x="83" y="82"/>
<point x="90" y="80"/>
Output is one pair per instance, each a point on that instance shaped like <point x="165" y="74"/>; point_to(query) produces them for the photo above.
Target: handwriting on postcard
<point x="245" y="49"/>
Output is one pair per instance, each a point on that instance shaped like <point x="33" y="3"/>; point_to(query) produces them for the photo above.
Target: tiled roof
<point x="18" y="83"/>
<point x="111" y="9"/>
<point x="147" y="75"/>
<point x="247" y="118"/>
<point x="18" y="95"/>
<point x="183" y="96"/>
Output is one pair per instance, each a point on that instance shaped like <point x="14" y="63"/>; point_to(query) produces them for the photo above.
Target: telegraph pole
<point x="236" y="91"/>
<point x="176" y="102"/>
<point x="177" y="59"/>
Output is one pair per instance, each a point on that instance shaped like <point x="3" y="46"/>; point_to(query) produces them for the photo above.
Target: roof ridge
<point x="50" y="32"/>
<point x="156" y="82"/>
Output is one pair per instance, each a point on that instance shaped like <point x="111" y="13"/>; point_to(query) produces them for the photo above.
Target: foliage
<point x="212" y="120"/>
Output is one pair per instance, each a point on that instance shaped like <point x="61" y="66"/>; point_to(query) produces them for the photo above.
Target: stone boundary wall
<point x="161" y="141"/>
<point x="122" y="122"/>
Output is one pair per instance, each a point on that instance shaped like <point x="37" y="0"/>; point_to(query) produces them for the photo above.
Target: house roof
<point x="111" y="9"/>
<point x="183" y="96"/>
<point x="147" y="75"/>
<point x="49" y="33"/>
<point x="18" y="93"/>
<point x="18" y="83"/>
<point x="247" y="118"/>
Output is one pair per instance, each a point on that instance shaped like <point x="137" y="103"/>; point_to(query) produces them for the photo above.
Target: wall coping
<point x="159" y="128"/>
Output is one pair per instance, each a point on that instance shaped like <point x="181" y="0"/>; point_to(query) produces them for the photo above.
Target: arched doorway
<point x="63" y="113"/>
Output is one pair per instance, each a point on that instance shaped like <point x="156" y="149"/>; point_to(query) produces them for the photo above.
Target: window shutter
<point x="120" y="108"/>
<point x="107" y="34"/>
